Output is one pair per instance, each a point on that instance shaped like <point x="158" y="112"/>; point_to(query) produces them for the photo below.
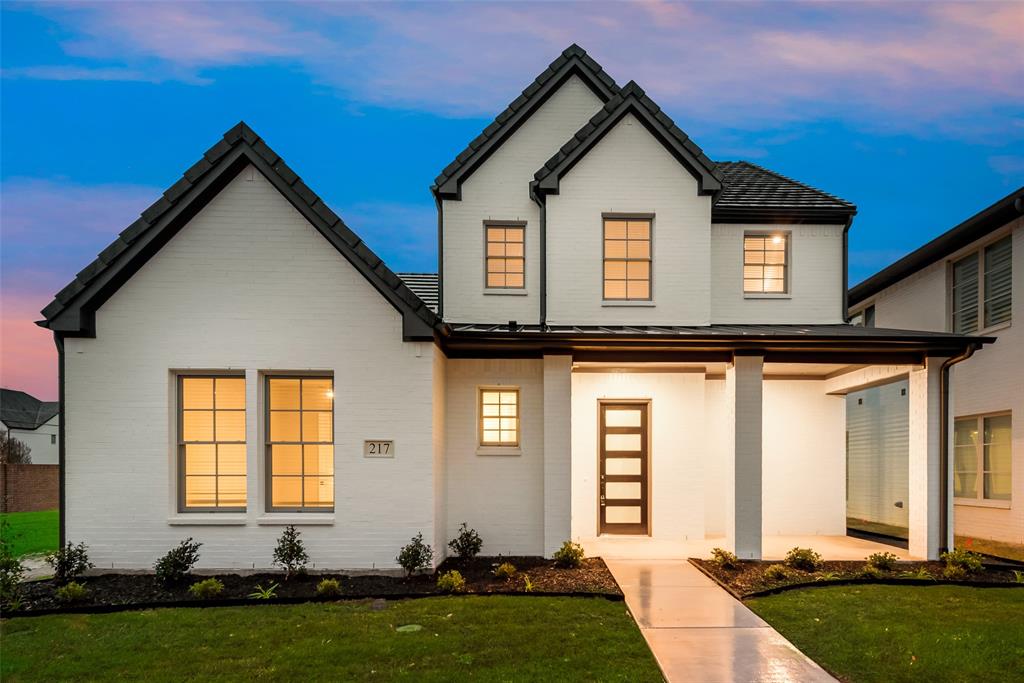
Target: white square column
<point x="744" y="391"/>
<point x="926" y="479"/>
<point x="557" y="451"/>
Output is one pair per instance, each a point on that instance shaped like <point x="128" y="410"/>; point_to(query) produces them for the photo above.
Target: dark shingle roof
<point x="239" y="148"/>
<point x="423" y="285"/>
<point x="752" y="189"/>
<point x="19" y="410"/>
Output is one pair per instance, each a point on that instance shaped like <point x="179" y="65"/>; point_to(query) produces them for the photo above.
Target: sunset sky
<point x="915" y="112"/>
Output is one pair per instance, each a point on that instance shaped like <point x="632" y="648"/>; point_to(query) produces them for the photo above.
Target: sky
<point x="913" y="111"/>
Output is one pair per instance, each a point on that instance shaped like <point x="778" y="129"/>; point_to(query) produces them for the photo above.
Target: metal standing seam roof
<point x="19" y="410"/>
<point x="423" y="285"/>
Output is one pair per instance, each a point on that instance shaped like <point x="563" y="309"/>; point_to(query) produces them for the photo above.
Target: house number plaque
<point x="379" y="449"/>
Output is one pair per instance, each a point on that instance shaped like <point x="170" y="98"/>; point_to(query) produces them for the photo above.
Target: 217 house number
<point x="378" y="449"/>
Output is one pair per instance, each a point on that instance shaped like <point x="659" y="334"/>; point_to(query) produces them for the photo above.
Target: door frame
<point x="645" y="474"/>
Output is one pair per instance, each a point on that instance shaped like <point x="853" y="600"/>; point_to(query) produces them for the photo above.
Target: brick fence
<point x="29" y="488"/>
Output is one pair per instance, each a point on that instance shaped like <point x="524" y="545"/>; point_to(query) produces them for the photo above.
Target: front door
<point x="623" y="464"/>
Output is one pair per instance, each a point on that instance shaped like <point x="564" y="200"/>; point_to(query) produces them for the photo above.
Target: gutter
<point x="944" y="421"/>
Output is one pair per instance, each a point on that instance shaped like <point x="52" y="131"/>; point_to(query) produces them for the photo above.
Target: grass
<point x="469" y="637"/>
<point x="32" y="533"/>
<point x="904" y="633"/>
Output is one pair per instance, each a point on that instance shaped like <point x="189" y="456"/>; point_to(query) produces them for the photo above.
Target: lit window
<point x="506" y="261"/>
<point x="211" y="443"/>
<point x="300" y="443"/>
<point x="981" y="294"/>
<point x="764" y="263"/>
<point x="499" y="417"/>
<point x="627" y="259"/>
<point x="982" y="457"/>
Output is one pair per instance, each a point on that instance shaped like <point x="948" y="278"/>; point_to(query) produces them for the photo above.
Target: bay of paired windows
<point x="300" y="443"/>
<point x="981" y="288"/>
<point x="211" y="442"/>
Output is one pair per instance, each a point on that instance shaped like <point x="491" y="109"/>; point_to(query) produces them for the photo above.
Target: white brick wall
<point x="744" y="516"/>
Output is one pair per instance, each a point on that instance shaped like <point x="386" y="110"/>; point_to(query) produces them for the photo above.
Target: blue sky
<point x="912" y="111"/>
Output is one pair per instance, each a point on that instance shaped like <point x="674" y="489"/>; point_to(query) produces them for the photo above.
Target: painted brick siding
<point x="250" y="285"/>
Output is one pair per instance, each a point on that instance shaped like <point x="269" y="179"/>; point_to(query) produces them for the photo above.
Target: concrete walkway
<point x="700" y="633"/>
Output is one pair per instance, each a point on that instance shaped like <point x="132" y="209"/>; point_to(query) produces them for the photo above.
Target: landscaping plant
<point x="290" y="553"/>
<point x="885" y="562"/>
<point x="467" y="544"/>
<point x="69" y="562"/>
<point x="207" y="589"/>
<point x="969" y="562"/>
<point x="804" y="559"/>
<point x="724" y="559"/>
<point x="451" y="582"/>
<point x="570" y="555"/>
<point x="71" y="592"/>
<point x="505" y="570"/>
<point x="776" y="572"/>
<point x="920" y="573"/>
<point x="954" y="572"/>
<point x="11" y="569"/>
<point x="262" y="593"/>
<point x="173" y="567"/>
<point x="328" y="588"/>
<point x="527" y="584"/>
<point x="870" y="571"/>
<point x="415" y="556"/>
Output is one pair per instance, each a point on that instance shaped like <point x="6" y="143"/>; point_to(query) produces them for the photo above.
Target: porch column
<point x="925" y="405"/>
<point x="743" y="381"/>
<point x="557" y="451"/>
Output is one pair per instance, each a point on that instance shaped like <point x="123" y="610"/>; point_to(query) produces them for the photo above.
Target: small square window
<point x="765" y="263"/>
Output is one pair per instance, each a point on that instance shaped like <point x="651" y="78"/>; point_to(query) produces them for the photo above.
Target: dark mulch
<point x="750" y="577"/>
<point x="105" y="590"/>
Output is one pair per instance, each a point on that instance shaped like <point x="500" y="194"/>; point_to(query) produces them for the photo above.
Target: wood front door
<point x="623" y="468"/>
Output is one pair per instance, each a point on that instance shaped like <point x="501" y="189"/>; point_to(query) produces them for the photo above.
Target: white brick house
<point x="626" y="344"/>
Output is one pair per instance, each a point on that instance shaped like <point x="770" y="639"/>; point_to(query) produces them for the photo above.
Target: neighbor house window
<point x="981" y="288"/>
<point x="506" y="259"/>
<point x="499" y="417"/>
<point x="300" y="443"/>
<point x="982" y="457"/>
<point x="211" y="443"/>
<point x="864" y="318"/>
<point x="764" y="263"/>
<point x="627" y="259"/>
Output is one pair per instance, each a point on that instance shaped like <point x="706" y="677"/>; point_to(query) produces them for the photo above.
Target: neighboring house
<point x="969" y="280"/>
<point x="33" y="422"/>
<point x="628" y="344"/>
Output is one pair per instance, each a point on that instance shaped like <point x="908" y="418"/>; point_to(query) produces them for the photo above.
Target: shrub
<point x="328" y="588"/>
<point x="11" y="569"/>
<point x="72" y="592"/>
<point x="290" y="553"/>
<point x="569" y="555"/>
<point x="964" y="559"/>
<point x="451" y="582"/>
<point x="828" y="576"/>
<point x="527" y="584"/>
<point x="1018" y="576"/>
<point x="207" y="589"/>
<point x="883" y="561"/>
<point x="776" y="572"/>
<point x="262" y="593"/>
<point x="69" y="562"/>
<point x="173" y="567"/>
<point x="920" y="573"/>
<point x="954" y="572"/>
<point x="415" y="556"/>
<point x="724" y="559"/>
<point x="467" y="544"/>
<point x="870" y="571"/>
<point x="505" y="570"/>
<point x="804" y="559"/>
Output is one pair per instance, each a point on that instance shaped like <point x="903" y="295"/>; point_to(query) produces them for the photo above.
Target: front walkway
<point x="773" y="547"/>
<point x="698" y="632"/>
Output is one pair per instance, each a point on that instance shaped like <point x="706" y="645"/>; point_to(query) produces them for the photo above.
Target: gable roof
<point x="573" y="61"/>
<point x="977" y="226"/>
<point x="19" y="410"/>
<point x="754" y="192"/>
<point x="72" y="312"/>
<point x="631" y="99"/>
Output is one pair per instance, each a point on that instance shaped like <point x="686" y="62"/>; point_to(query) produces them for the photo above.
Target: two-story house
<point x="969" y="280"/>
<point x="626" y="344"/>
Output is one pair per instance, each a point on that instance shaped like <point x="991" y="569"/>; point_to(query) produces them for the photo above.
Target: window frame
<point x="626" y="301"/>
<point x="787" y="263"/>
<point x="487" y="259"/>
<point x="179" y="379"/>
<point x="268" y="451"/>
<point x="489" y="445"/>
<point x="979" y="498"/>
<point x="977" y="252"/>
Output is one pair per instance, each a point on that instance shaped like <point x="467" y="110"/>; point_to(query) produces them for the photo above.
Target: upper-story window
<point x="506" y="259"/>
<point x="627" y="259"/>
<point x="211" y="443"/>
<point x="765" y="263"/>
<point x="981" y="288"/>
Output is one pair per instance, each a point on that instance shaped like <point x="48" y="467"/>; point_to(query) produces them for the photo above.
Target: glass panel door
<point x="623" y="468"/>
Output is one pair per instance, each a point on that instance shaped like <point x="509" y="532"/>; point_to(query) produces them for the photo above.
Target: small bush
<point x="964" y="559"/>
<point x="724" y="559"/>
<point x="920" y="573"/>
<point x="527" y="584"/>
<point x="954" y="572"/>
<point x="776" y="572"/>
<point x="69" y="562"/>
<point x="290" y="553"/>
<point x="262" y="593"/>
<point x="11" y="570"/>
<point x="328" y="588"/>
<point x="828" y="576"/>
<point x="451" y="582"/>
<point x="870" y="571"/>
<point x="173" y="567"/>
<point x="206" y="589"/>
<point x="804" y="559"/>
<point x="72" y="592"/>
<point x="415" y="556"/>
<point x="886" y="562"/>
<point x="467" y="544"/>
<point x="505" y="570"/>
<point x="570" y="555"/>
<point x="1018" y="576"/>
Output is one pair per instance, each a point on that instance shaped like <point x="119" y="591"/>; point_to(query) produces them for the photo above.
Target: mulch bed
<point x="111" y="592"/>
<point x="750" y="579"/>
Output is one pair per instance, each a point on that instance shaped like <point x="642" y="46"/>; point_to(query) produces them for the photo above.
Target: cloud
<point x="1008" y="165"/>
<point x="78" y="73"/>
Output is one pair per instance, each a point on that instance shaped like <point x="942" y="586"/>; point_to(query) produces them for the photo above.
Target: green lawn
<point x="904" y="633"/>
<point x="32" y="532"/>
<point x="463" y="638"/>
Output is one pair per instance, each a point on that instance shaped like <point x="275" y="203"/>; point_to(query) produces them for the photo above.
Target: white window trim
<point x="980" y="500"/>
